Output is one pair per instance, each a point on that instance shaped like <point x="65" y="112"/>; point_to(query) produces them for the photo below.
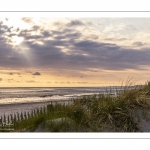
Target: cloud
<point x="75" y="23"/>
<point x="12" y="73"/>
<point x="85" y="53"/>
<point x="36" y="74"/>
<point x="67" y="47"/>
<point x="9" y="57"/>
<point x="138" y="43"/>
<point x="1" y="79"/>
<point x="115" y="39"/>
<point x="93" y="70"/>
<point x="27" y="20"/>
<point x="119" y="27"/>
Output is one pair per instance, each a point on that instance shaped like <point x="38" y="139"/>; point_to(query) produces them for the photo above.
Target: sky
<point x="73" y="52"/>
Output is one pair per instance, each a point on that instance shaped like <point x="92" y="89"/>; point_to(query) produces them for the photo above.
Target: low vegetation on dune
<point x="127" y="111"/>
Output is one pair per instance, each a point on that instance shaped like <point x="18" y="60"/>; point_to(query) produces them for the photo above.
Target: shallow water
<point x="17" y="100"/>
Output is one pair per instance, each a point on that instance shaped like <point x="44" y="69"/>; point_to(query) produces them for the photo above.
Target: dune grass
<point x="94" y="113"/>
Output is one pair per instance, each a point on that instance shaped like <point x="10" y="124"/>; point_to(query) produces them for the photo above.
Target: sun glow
<point x="17" y="40"/>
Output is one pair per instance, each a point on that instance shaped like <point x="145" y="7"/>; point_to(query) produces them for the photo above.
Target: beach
<point x="17" y="100"/>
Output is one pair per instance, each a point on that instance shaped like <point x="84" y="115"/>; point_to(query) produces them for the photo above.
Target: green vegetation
<point x="95" y="113"/>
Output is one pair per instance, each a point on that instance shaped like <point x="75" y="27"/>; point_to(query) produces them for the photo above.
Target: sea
<point x="17" y="100"/>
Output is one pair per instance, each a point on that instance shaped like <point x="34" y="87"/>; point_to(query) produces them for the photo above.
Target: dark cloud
<point x="75" y="23"/>
<point x="99" y="55"/>
<point x="138" y="44"/>
<point x="80" y="53"/>
<point x="26" y="34"/>
<point x="57" y="23"/>
<point x="17" y="30"/>
<point x="46" y="33"/>
<point x="36" y="74"/>
<point x="10" y="73"/>
<point x="1" y="79"/>
<point x="8" y="56"/>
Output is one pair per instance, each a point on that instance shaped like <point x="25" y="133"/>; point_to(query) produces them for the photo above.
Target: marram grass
<point x="95" y="113"/>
